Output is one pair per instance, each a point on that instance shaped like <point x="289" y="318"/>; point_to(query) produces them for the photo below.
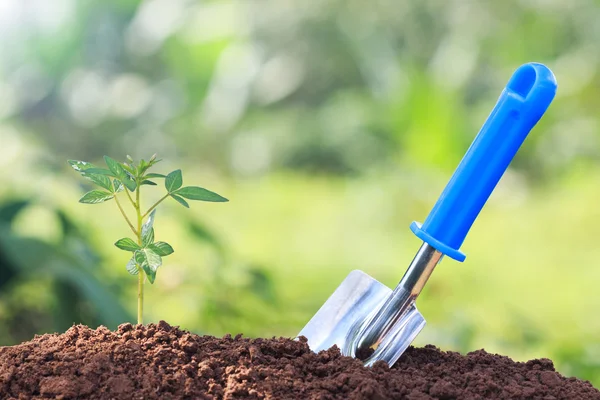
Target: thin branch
<point x="125" y="215"/>
<point x="155" y="205"/>
<point x="129" y="197"/>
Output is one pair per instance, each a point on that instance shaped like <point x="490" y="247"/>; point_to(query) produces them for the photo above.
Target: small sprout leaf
<point x="128" y="169"/>
<point x="142" y="167"/>
<point x="127" y="244"/>
<point x="129" y="158"/>
<point x="86" y="169"/>
<point x="140" y="257"/>
<point x="153" y="160"/>
<point x="100" y="180"/>
<point x="201" y="194"/>
<point x="96" y="196"/>
<point x="148" y="230"/>
<point x="149" y="273"/>
<point x="118" y="186"/>
<point x="148" y="182"/>
<point x="180" y="200"/>
<point x="153" y="175"/>
<point x="154" y="260"/>
<point x="174" y="181"/>
<point x="148" y="239"/>
<point x="127" y="181"/>
<point x="118" y="171"/>
<point x="100" y="171"/>
<point x="132" y="267"/>
<point x="149" y="261"/>
<point x="113" y="165"/>
<point x="163" y="249"/>
<point x="147" y="257"/>
<point x="81" y="166"/>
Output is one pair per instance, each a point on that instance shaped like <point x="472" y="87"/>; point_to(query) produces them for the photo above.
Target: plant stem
<point x="140" y="308"/>
<point x="125" y="215"/>
<point x="155" y="205"/>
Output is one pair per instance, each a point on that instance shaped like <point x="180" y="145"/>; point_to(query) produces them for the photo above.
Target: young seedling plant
<point x="128" y="178"/>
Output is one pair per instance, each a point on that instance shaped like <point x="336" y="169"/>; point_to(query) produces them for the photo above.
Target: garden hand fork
<point x="364" y="316"/>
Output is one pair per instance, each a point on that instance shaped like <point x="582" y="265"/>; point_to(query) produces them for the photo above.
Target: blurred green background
<point x="330" y="125"/>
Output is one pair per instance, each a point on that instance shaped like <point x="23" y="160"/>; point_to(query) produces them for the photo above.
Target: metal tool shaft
<point x="402" y="297"/>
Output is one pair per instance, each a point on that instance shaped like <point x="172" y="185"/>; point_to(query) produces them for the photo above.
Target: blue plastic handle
<point x="522" y="103"/>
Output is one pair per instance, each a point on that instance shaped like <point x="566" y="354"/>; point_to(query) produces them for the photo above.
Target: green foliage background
<point x="330" y="125"/>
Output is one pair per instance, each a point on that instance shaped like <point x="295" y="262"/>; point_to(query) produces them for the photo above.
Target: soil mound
<point x="158" y="361"/>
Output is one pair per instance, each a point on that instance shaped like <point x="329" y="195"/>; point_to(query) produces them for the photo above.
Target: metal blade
<point x="346" y="313"/>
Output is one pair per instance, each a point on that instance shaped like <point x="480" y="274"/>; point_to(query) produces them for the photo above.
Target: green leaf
<point x="140" y="257"/>
<point x="142" y="167"/>
<point x="147" y="228"/>
<point x="153" y="160"/>
<point x="198" y="193"/>
<point x="174" y="181"/>
<point x="96" y="196"/>
<point x="129" y="158"/>
<point x="148" y="239"/>
<point x="163" y="249"/>
<point x="100" y="171"/>
<point x="149" y="273"/>
<point x="149" y="261"/>
<point x="147" y="182"/>
<point x="81" y="166"/>
<point x="127" y="244"/>
<point x="153" y="175"/>
<point x="148" y="257"/>
<point x="119" y="172"/>
<point x="154" y="260"/>
<point x="86" y="169"/>
<point x="118" y="186"/>
<point x="113" y="166"/>
<point x="128" y="182"/>
<point x="132" y="267"/>
<point x="129" y="169"/>
<point x="100" y="180"/>
<point x="180" y="200"/>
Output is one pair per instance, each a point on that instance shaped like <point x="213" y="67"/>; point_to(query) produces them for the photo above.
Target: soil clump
<point x="158" y="361"/>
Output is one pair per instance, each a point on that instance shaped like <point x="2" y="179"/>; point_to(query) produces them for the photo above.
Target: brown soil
<point x="161" y="362"/>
